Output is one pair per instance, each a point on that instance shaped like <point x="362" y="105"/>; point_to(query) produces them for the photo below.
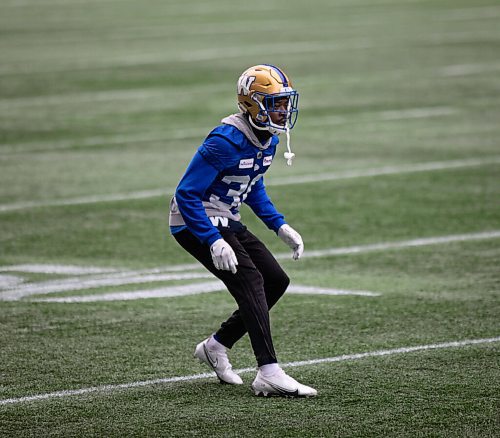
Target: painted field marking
<point x="106" y="140"/>
<point x="192" y="289"/>
<point x="418" y="113"/>
<point x="386" y="115"/>
<point x="16" y="292"/>
<point x="179" y="56"/>
<point x="467" y="69"/>
<point x="162" y="292"/>
<point x="313" y="290"/>
<point x="297" y="179"/>
<point x="381" y="171"/>
<point x="78" y="283"/>
<point x="189" y="133"/>
<point x="474" y="13"/>
<point x="359" y="249"/>
<point x="121" y="139"/>
<point x="106" y="389"/>
<point x="91" y="199"/>
<point x="29" y="3"/>
<point x="172" y="135"/>
<point x="9" y="281"/>
<point x="86" y="270"/>
<point x="111" y="95"/>
<point x="207" y="54"/>
<point x="356" y="249"/>
<point x="57" y="269"/>
<point x="150" y="94"/>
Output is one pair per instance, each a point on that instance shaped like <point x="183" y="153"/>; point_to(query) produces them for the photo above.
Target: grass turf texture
<point x="111" y="97"/>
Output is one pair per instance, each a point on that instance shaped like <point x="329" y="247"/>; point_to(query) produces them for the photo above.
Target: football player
<point x="227" y="170"/>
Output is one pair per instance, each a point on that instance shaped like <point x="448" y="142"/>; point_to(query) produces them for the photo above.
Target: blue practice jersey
<point x="226" y="171"/>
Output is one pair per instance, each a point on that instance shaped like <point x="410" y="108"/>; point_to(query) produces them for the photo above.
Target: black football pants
<point x="256" y="287"/>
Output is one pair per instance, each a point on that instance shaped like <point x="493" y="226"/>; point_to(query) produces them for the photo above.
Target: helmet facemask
<point x="273" y="104"/>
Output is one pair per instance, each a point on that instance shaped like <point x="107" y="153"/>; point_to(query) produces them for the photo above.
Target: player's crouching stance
<point x="227" y="170"/>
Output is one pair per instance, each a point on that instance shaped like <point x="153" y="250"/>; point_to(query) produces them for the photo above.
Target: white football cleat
<point x="218" y="361"/>
<point x="280" y="384"/>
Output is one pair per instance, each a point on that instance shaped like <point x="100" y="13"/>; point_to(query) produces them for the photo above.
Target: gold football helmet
<point x="265" y="89"/>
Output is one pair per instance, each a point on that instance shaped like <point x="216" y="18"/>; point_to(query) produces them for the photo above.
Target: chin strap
<point x="289" y="155"/>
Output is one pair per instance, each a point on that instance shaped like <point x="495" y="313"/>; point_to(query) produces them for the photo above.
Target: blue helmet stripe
<point x="282" y="75"/>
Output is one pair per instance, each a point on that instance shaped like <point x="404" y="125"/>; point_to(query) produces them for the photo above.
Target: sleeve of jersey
<point x="261" y="204"/>
<point x="218" y="151"/>
<point x="201" y="172"/>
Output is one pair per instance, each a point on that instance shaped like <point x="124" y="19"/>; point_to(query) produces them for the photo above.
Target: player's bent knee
<point x="284" y="282"/>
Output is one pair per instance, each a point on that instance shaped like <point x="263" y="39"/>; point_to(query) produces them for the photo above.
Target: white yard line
<point x="9" y="281"/>
<point x="92" y="199"/>
<point x="160" y="93"/>
<point x="79" y="283"/>
<point x="57" y="269"/>
<point x="184" y="134"/>
<point x="96" y="97"/>
<point x="385" y="116"/>
<point x="208" y="54"/>
<point x="174" y="7"/>
<point x="86" y="270"/>
<point x="165" y="274"/>
<point x="495" y="234"/>
<point x="357" y="249"/>
<point x="474" y="13"/>
<point x="467" y="69"/>
<point x="313" y="290"/>
<point x="380" y="171"/>
<point x="107" y="389"/>
<point x="122" y="139"/>
<point x="183" y="56"/>
<point x="418" y="113"/>
<point x="296" y="179"/>
<point x="30" y="3"/>
<point x="192" y="289"/>
<point x="162" y="292"/>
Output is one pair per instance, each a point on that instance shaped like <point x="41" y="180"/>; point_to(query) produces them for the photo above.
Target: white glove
<point x="223" y="256"/>
<point x="293" y="239"/>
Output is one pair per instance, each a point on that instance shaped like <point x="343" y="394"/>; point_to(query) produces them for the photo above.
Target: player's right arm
<point x="198" y="177"/>
<point x="189" y="194"/>
<point x="210" y="159"/>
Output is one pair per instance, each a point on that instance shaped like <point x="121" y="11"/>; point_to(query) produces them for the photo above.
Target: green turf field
<point x="394" y="311"/>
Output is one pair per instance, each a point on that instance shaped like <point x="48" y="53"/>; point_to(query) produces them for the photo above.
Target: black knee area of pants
<point x="276" y="287"/>
<point x="282" y="282"/>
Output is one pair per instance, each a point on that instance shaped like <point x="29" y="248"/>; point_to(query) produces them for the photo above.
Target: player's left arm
<point x="260" y="203"/>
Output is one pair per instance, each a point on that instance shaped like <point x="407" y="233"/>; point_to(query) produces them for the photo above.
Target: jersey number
<point x="245" y="187"/>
